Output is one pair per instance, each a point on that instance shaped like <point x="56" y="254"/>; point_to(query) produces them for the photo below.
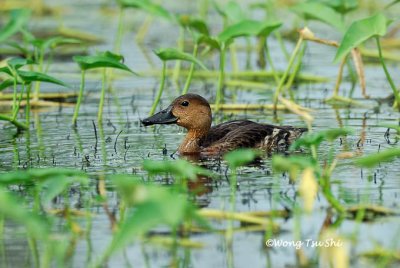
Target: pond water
<point x="123" y="144"/>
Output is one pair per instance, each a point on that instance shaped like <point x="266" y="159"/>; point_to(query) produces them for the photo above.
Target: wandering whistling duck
<point x="193" y="112"/>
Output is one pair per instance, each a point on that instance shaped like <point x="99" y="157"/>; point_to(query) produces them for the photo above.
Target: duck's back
<point x="248" y="134"/>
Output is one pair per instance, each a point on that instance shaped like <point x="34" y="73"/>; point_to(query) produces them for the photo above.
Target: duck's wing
<point x="218" y="132"/>
<point x="248" y="134"/>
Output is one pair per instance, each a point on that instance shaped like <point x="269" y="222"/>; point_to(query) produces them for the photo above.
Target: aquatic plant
<point x="167" y="54"/>
<point x="24" y="79"/>
<point x="222" y="41"/>
<point x="100" y="60"/>
<point x="362" y="30"/>
<point x="147" y="6"/>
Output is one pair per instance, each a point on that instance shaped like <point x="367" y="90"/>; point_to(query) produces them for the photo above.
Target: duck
<point x="193" y="112"/>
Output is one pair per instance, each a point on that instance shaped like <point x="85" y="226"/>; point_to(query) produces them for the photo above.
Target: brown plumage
<point x="193" y="112"/>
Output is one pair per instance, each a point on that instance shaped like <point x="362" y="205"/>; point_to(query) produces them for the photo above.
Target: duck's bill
<point x="163" y="117"/>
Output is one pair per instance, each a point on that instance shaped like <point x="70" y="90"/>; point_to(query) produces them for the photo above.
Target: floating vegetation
<point x="108" y="192"/>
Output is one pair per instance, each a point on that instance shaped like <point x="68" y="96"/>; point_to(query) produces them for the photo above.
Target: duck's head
<point x="190" y="111"/>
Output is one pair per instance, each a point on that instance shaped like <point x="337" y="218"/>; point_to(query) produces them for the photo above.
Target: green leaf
<point x="241" y="157"/>
<point x="13" y="208"/>
<point x="316" y="138"/>
<point x="17" y="63"/>
<point x="180" y="168"/>
<point x="283" y="164"/>
<point x="320" y="12"/>
<point x="372" y="160"/>
<point x="248" y="28"/>
<point x="212" y="41"/>
<point x="19" y="18"/>
<point x="341" y="6"/>
<point x="53" y="42"/>
<point x="147" y="6"/>
<point x="166" y="54"/>
<point x="7" y="83"/>
<point x="57" y="184"/>
<point x="153" y="206"/>
<point x="232" y="11"/>
<point x="33" y="175"/>
<point x="198" y="25"/>
<point x="102" y="60"/>
<point x="360" y="31"/>
<point x="29" y="77"/>
<point x="294" y="165"/>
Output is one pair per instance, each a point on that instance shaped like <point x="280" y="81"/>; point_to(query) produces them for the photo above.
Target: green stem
<point x="16" y="110"/>
<point x="160" y="90"/>
<point x="229" y="229"/>
<point x="143" y="29"/>
<point x="28" y="105"/>
<point x="271" y="63"/>
<point x="120" y="31"/>
<point x="103" y="93"/>
<point x="80" y="96"/>
<point x="34" y="250"/>
<point x="19" y="125"/>
<point x="339" y="78"/>
<point x="282" y="44"/>
<point x="40" y="69"/>
<point x="295" y="72"/>
<point x="14" y="104"/>
<point x="181" y="44"/>
<point x="3" y="254"/>
<point x="332" y="200"/>
<point x="221" y="78"/>
<point x="286" y="73"/>
<point x="190" y="75"/>
<point x="396" y="93"/>
<point x="234" y="60"/>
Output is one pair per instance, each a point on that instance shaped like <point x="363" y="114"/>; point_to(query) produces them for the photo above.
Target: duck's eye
<point x="185" y="103"/>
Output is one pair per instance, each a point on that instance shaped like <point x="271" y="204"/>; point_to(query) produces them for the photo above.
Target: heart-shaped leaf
<point x="147" y="6"/>
<point x="248" y="28"/>
<point x="320" y="12"/>
<point x="19" y="18"/>
<point x="29" y="77"/>
<point x="102" y="60"/>
<point x="166" y="54"/>
<point x="360" y="31"/>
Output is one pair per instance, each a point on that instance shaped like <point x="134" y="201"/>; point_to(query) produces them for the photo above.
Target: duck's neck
<point x="191" y="143"/>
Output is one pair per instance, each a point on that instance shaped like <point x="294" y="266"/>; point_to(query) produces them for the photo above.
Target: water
<point x="52" y="142"/>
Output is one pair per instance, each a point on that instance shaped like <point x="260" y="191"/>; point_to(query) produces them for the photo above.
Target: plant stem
<point x="40" y="69"/>
<point x="18" y="104"/>
<point x="339" y="78"/>
<point x="19" y="125"/>
<point x="181" y="45"/>
<point x="118" y="40"/>
<point x="234" y="60"/>
<point x="160" y="89"/>
<point x="190" y="75"/>
<point x="143" y="29"/>
<point x="80" y="96"/>
<point x="28" y="105"/>
<point x="271" y="63"/>
<point x="396" y="92"/>
<point x="103" y="93"/>
<point x="229" y="229"/>
<point x="286" y="73"/>
<point x="221" y="78"/>
<point x="295" y="72"/>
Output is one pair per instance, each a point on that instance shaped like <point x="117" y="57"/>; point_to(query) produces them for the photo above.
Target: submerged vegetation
<point x="145" y="192"/>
